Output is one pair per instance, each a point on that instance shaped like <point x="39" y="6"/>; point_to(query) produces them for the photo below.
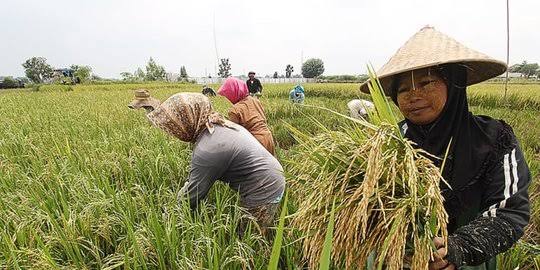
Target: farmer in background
<point x="297" y="94"/>
<point x="223" y="151"/>
<point x="359" y="108"/>
<point x="487" y="201"/>
<point x="207" y="91"/>
<point x="254" y="85"/>
<point x="144" y="100"/>
<point x="247" y="111"/>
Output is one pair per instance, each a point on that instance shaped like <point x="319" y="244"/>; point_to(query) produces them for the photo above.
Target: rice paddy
<point x="86" y="183"/>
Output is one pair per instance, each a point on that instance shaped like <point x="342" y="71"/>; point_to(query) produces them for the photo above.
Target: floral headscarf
<point x="186" y="115"/>
<point x="234" y="90"/>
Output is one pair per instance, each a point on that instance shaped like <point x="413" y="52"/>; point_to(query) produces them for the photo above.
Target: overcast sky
<point x="113" y="36"/>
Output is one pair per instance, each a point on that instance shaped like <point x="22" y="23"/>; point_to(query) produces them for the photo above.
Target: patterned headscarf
<point x="186" y="115"/>
<point x="234" y="90"/>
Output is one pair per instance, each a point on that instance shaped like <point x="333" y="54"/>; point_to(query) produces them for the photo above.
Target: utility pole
<point x="507" y="46"/>
<point x="301" y="61"/>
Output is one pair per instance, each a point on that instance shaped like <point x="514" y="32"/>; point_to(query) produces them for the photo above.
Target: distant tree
<point x="37" y="69"/>
<point x="127" y="76"/>
<point x="312" y="68"/>
<point x="526" y="69"/>
<point x="139" y="74"/>
<point x="24" y="80"/>
<point x="83" y="73"/>
<point x="154" y="72"/>
<point x="9" y="82"/>
<point x="363" y="77"/>
<point x="514" y="68"/>
<point x="288" y="71"/>
<point x="183" y="73"/>
<point x="275" y="76"/>
<point x="224" y="68"/>
<point x="529" y="70"/>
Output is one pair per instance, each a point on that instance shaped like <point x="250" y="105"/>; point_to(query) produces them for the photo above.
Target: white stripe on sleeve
<point x="507" y="180"/>
<point x="514" y="172"/>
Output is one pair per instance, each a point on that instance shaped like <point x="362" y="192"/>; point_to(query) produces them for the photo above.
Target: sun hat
<point x="143" y="99"/>
<point x="430" y="48"/>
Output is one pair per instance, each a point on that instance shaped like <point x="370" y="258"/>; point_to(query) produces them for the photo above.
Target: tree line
<point x="526" y="69"/>
<point x="37" y="70"/>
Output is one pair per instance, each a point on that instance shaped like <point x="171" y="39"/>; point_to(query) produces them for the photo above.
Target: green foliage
<point x="224" y="68"/>
<point x="37" y="69"/>
<point x="278" y="239"/>
<point x="288" y="71"/>
<point x="127" y="76"/>
<point x="9" y="82"/>
<point x="139" y="75"/>
<point x="82" y="73"/>
<point x="526" y="69"/>
<point x="154" y="72"/>
<point x="183" y="72"/>
<point x="94" y="187"/>
<point x="312" y="68"/>
<point x="345" y="78"/>
<point x="324" y="261"/>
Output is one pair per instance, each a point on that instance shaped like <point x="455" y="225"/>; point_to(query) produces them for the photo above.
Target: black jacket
<point x="488" y="215"/>
<point x="497" y="206"/>
<point x="254" y="85"/>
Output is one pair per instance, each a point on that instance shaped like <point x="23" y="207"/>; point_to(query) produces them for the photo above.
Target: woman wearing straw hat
<point x="486" y="200"/>
<point x="144" y="100"/>
<point x="243" y="163"/>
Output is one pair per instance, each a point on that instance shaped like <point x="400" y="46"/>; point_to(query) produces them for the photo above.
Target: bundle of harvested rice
<point x="388" y="204"/>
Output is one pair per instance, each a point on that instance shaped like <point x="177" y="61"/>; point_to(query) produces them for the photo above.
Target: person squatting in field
<point x="225" y="151"/>
<point x="207" y="91"/>
<point x="360" y="108"/>
<point x="247" y="111"/>
<point x="486" y="200"/>
<point x="297" y="94"/>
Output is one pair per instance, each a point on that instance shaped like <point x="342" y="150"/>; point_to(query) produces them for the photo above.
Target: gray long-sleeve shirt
<point x="235" y="157"/>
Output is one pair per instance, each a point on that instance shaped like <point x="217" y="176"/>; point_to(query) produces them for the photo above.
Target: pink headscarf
<point x="234" y="89"/>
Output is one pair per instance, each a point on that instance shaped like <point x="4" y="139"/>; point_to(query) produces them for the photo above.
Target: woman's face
<point x="421" y="96"/>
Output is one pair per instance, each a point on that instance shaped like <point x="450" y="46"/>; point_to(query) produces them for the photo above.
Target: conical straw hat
<point x="430" y="47"/>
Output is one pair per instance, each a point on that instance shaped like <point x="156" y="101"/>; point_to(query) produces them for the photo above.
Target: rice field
<point x="86" y="183"/>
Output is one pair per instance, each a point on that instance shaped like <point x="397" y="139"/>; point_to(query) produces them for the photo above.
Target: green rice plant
<point x="86" y="183"/>
<point x="386" y="193"/>
<point x="324" y="261"/>
<point x="278" y="240"/>
<point x="523" y="256"/>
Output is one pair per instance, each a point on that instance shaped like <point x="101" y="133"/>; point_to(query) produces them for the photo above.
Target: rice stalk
<point x="386" y="193"/>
